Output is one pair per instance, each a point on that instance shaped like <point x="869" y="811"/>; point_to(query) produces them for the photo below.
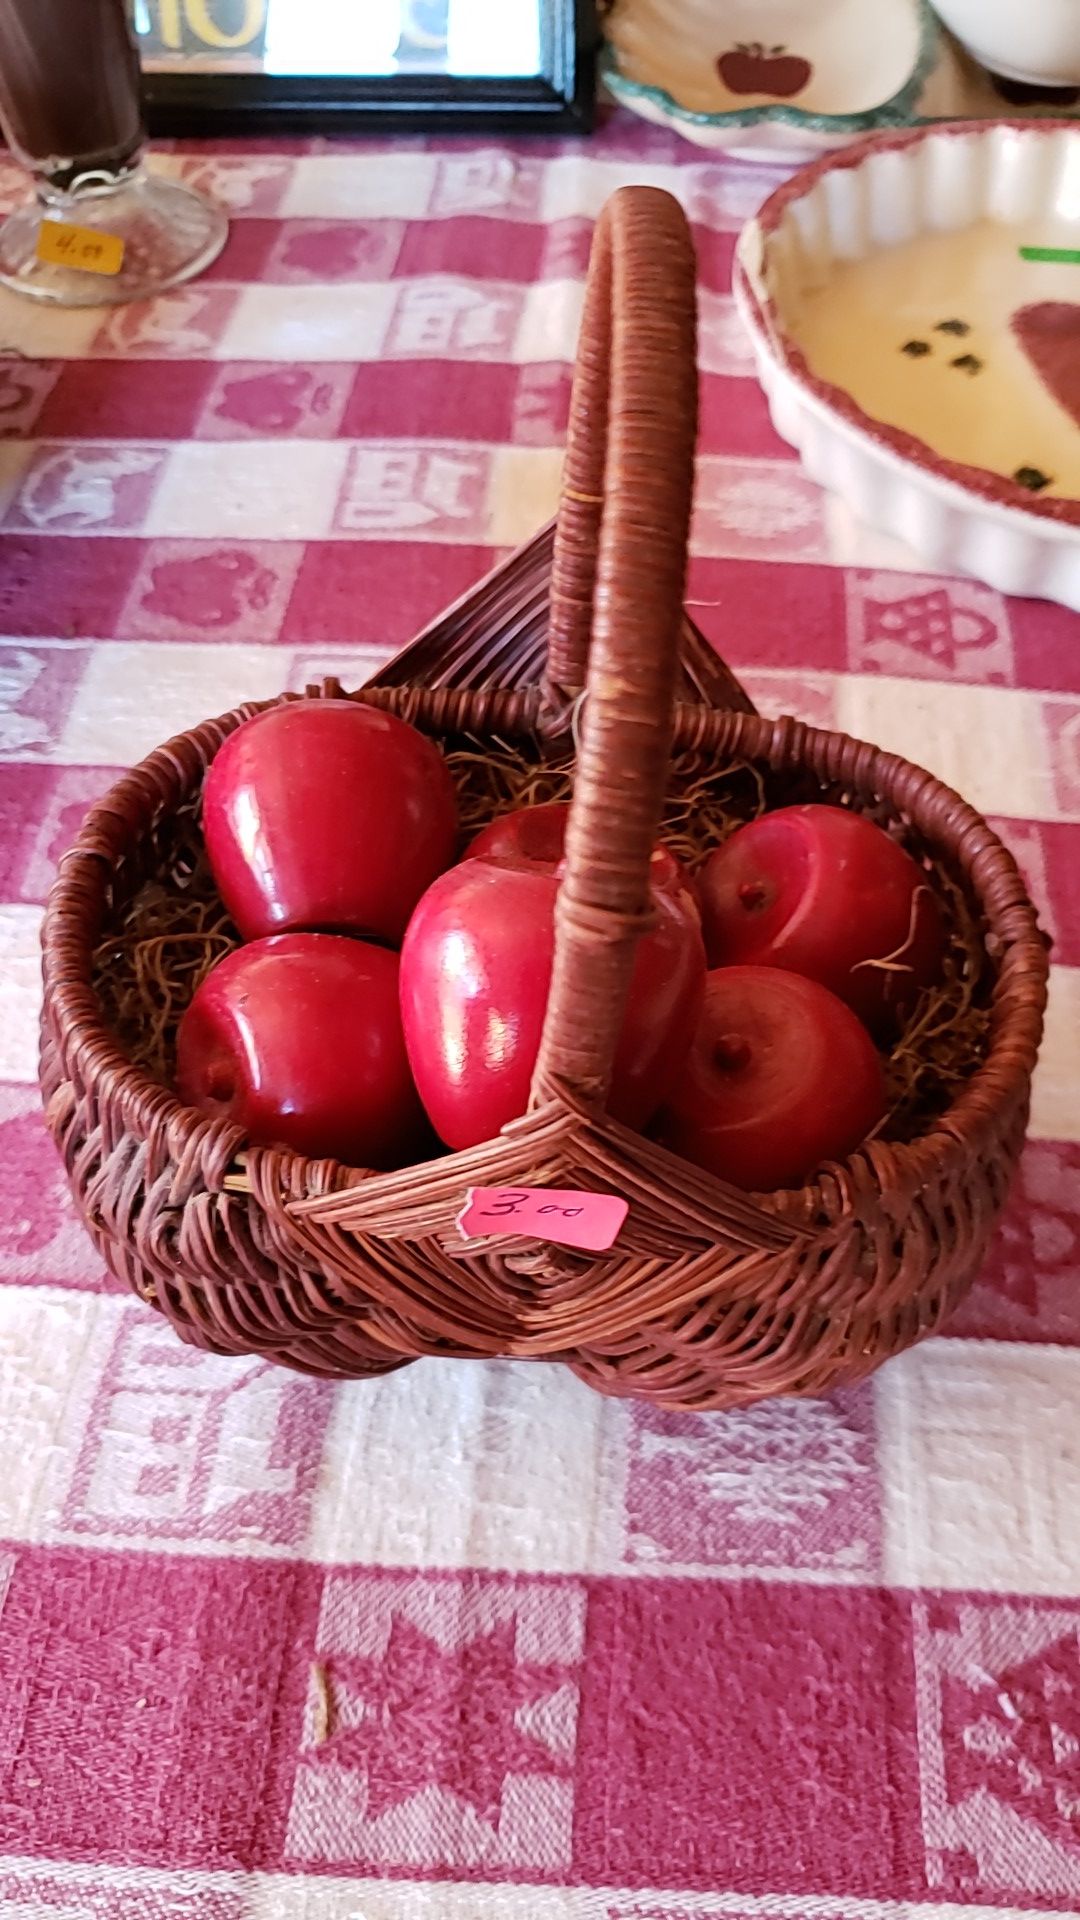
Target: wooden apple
<point x="758" y="69"/>
<point x="538" y="834"/>
<point x="528" y="833"/>
<point x="298" y="1040"/>
<point x="475" y="973"/>
<point x="822" y="891"/>
<point x="781" y="1076"/>
<point x="328" y="815"/>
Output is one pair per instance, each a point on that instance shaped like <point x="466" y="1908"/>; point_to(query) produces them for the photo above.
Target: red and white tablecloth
<point x="473" y="1642"/>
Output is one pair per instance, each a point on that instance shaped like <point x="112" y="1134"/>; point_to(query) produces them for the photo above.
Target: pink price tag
<point x="589" y="1220"/>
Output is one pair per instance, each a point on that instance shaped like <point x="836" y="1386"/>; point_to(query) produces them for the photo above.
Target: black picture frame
<point x="560" y="99"/>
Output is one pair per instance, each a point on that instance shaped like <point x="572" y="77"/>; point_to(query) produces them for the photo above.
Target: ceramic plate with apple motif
<point x="788" y="76"/>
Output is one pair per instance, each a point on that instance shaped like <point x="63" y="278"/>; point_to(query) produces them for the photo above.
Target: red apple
<point x="475" y="972"/>
<point x="538" y="834"/>
<point x="328" y="815"/>
<point x="759" y="69"/>
<point x="824" y="892"/>
<point x="781" y="1076"/>
<point x="528" y="833"/>
<point x="298" y="1040"/>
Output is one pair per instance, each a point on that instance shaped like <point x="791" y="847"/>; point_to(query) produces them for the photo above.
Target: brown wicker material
<point x="710" y="1297"/>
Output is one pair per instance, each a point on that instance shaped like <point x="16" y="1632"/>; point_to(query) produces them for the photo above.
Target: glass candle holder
<point x="101" y="228"/>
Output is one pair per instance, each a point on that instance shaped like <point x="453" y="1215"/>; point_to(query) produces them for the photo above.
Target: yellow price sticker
<point x="60" y="244"/>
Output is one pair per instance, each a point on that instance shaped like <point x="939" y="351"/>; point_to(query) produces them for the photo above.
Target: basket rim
<point x="90" y="1051"/>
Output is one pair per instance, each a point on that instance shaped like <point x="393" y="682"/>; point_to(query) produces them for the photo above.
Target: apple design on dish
<point x="755" y="68"/>
<point x="1049" y="334"/>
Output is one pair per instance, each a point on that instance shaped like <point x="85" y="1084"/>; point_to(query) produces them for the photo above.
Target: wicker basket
<point x="710" y="1297"/>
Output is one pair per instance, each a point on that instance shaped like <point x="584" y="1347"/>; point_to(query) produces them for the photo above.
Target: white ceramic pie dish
<point x="924" y="369"/>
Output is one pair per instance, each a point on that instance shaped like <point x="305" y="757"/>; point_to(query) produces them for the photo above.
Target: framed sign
<point x="350" y="66"/>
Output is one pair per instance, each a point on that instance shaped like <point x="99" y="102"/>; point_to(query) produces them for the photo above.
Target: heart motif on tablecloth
<point x="1049" y="333"/>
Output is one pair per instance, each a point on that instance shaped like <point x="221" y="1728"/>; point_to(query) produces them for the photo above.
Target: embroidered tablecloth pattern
<point x="472" y="1641"/>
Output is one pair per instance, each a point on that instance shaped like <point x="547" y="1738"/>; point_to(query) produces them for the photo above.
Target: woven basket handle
<point x="618" y="578"/>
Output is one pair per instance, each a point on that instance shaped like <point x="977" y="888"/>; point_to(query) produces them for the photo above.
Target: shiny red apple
<point x="298" y="1040"/>
<point x="760" y="69"/>
<point x="328" y="815"/>
<point x="781" y="1076"/>
<point x="824" y="892"/>
<point x="475" y="972"/>
<point x="538" y="834"/>
<point x="528" y="833"/>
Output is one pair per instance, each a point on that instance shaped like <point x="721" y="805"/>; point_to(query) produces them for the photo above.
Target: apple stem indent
<point x="731" y="1053"/>
<point x="221" y="1083"/>
<point x="753" y="895"/>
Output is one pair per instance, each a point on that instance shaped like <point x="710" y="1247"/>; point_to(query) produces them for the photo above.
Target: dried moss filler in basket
<point x="329" y="816"/>
<point x="781" y="1077"/>
<point x="475" y="978"/>
<point x="298" y="1040"/>
<point x="826" y="893"/>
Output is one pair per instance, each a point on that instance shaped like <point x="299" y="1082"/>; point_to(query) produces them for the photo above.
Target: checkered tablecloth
<point x="472" y="1643"/>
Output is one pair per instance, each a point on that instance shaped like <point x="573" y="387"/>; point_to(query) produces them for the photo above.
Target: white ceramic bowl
<point x="1033" y="40"/>
<point x="779" y="78"/>
<point x="925" y="371"/>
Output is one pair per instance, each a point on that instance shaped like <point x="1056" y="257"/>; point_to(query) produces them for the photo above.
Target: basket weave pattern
<point x="710" y="1297"/>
